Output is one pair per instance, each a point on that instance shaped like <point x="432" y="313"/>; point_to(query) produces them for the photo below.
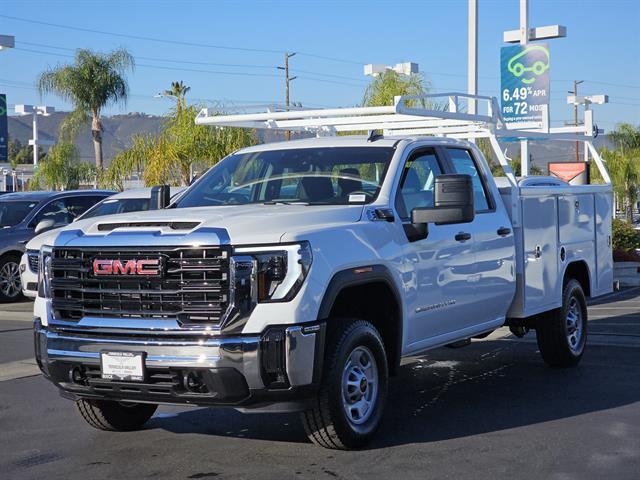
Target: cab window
<point x="417" y="184"/>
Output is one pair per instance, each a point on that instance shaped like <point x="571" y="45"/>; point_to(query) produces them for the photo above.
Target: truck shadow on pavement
<point x="486" y="387"/>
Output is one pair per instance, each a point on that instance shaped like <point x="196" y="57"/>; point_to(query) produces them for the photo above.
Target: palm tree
<point x="385" y="87"/>
<point x="91" y="83"/>
<point x="178" y="91"/>
<point x="623" y="164"/>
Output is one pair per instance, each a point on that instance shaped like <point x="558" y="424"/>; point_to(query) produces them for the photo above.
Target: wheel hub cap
<point x="10" y="284"/>
<point x="574" y="325"/>
<point x="359" y="385"/>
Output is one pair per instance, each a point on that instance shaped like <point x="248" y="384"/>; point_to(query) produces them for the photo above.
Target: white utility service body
<point x="296" y="275"/>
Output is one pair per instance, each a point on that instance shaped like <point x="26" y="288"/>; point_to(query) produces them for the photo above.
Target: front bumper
<point x="279" y="368"/>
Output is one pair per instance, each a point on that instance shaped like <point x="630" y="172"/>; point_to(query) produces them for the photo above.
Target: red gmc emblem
<point x="127" y="267"/>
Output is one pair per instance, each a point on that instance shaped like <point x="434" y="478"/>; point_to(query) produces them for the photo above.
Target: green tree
<point x="624" y="170"/>
<point x="62" y="169"/>
<point x="172" y="155"/>
<point x="20" y="154"/>
<point x="623" y="164"/>
<point x="92" y="82"/>
<point x="385" y="87"/>
<point x="178" y="91"/>
<point x="625" y="137"/>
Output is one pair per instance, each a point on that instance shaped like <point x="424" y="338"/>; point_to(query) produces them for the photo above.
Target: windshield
<point x="313" y="176"/>
<point x="12" y="213"/>
<point x="114" y="206"/>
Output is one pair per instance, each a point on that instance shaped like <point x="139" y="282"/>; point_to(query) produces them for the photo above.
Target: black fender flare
<point x="363" y="275"/>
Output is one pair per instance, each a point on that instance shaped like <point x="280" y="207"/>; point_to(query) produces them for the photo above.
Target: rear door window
<point x="462" y="162"/>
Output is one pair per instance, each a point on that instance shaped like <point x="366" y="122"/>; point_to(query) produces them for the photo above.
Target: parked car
<point x="25" y="214"/>
<point x="124" y="202"/>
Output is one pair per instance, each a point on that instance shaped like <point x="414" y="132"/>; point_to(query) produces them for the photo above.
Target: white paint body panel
<point x="483" y="281"/>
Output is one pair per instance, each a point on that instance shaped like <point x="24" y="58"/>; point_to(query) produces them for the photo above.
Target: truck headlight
<point x="45" y="272"/>
<point x="280" y="269"/>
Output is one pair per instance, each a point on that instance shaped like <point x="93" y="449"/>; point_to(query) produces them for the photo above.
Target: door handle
<point x="462" y="236"/>
<point x="503" y="231"/>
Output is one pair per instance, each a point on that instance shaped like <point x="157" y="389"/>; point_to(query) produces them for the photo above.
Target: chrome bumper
<point x="238" y="366"/>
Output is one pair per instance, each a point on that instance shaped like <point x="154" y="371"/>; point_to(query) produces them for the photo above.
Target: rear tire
<point x="562" y="334"/>
<point x="115" y="416"/>
<point x="10" y="283"/>
<point x="350" y="403"/>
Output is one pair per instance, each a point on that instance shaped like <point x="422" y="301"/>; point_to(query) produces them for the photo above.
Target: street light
<point x="35" y="111"/>
<point x="7" y="41"/>
<point x="406" y="68"/>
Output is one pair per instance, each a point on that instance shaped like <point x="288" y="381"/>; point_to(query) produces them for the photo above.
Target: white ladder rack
<point x="441" y="114"/>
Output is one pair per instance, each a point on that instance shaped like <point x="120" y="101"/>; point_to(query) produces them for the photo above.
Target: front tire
<point x="115" y="416"/>
<point x="353" y="392"/>
<point x="562" y="334"/>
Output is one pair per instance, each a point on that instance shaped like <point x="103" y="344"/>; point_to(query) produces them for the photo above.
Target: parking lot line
<point x="18" y="369"/>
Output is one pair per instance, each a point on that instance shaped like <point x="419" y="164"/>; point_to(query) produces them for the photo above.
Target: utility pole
<point x="575" y="114"/>
<point x="287" y="80"/>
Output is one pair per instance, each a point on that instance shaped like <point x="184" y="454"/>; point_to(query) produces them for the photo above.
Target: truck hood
<point x="237" y="225"/>
<point x="45" y="238"/>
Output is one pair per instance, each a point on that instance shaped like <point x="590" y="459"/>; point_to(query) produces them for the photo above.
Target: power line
<point x="216" y="72"/>
<point x="175" y="42"/>
<point x="141" y="37"/>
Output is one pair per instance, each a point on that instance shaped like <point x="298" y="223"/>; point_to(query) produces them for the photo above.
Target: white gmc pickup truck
<point x="295" y="276"/>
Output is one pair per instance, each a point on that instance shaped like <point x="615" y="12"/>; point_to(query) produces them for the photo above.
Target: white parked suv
<point x="133" y="200"/>
<point x="294" y="277"/>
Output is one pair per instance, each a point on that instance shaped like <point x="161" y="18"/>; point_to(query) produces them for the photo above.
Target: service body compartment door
<point x="604" y="254"/>
<point x="540" y="241"/>
<point x="575" y="218"/>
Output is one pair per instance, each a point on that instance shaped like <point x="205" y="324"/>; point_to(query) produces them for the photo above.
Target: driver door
<point x="441" y="266"/>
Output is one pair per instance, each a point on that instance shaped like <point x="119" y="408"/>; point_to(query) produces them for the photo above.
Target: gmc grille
<point x="194" y="287"/>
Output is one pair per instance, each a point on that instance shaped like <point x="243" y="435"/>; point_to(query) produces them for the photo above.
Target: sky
<point x="228" y="51"/>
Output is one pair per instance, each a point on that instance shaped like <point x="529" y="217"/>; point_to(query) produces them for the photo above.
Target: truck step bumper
<point x="281" y="365"/>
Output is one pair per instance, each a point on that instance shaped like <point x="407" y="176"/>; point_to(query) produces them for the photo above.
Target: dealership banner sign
<point x="524" y="74"/>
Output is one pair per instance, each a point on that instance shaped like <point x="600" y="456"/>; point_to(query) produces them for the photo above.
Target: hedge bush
<point x="625" y="237"/>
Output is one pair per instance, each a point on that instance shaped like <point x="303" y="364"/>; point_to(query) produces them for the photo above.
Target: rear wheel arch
<point x="578" y="270"/>
<point x="367" y="293"/>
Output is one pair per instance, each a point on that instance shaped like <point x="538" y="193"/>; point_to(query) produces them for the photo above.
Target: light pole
<point x="472" y="56"/>
<point x="35" y="111"/>
<point x="5" y="172"/>
<point x="406" y="68"/>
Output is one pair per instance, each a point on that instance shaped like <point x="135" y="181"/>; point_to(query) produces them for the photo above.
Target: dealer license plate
<point x="122" y="366"/>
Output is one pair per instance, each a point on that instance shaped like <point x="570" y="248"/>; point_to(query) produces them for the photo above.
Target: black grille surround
<point x="193" y="287"/>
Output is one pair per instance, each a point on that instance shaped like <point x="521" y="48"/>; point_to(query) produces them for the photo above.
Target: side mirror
<point x="160" y="197"/>
<point x="44" y="225"/>
<point x="453" y="202"/>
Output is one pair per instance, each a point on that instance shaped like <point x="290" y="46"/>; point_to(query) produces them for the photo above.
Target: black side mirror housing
<point x="453" y="202"/>
<point x="44" y="225"/>
<point x="160" y="197"/>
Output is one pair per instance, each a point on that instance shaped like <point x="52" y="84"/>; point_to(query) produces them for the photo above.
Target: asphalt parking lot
<point x="486" y="411"/>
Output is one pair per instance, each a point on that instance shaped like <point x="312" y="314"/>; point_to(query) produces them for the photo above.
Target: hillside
<point x="119" y="129"/>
